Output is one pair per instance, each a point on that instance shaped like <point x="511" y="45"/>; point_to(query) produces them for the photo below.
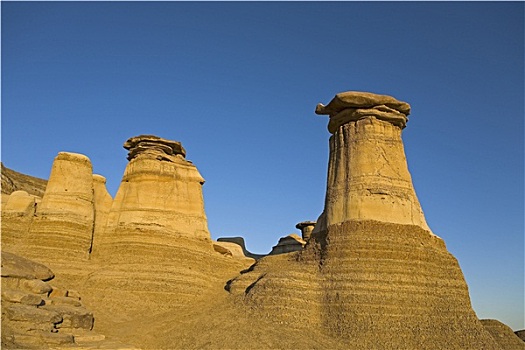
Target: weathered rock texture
<point x="368" y="177"/>
<point x="306" y="228"/>
<point x="240" y="242"/>
<point x="155" y="250"/>
<point x="521" y="334"/>
<point x="36" y="314"/>
<point x="372" y="274"/>
<point x="287" y="244"/>
<point x="102" y="206"/>
<point x="30" y="317"/>
<point x="17" y="214"/>
<point x="503" y="335"/>
<point x="58" y="229"/>
<point x="14" y="181"/>
<point x="161" y="194"/>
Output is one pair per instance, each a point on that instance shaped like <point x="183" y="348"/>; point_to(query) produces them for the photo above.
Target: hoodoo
<point x="372" y="274"/>
<point x="155" y="251"/>
<point x="59" y="227"/>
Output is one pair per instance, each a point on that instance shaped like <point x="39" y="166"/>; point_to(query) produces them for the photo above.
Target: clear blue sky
<point x="237" y="84"/>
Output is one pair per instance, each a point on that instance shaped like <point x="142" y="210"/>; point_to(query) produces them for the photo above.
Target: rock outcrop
<point x="14" y="181"/>
<point x="17" y="215"/>
<point x="37" y="314"/>
<point x="373" y="275"/>
<point x="58" y="229"/>
<point x="155" y="250"/>
<point x="288" y="244"/>
<point x="521" y="334"/>
<point x="240" y="242"/>
<point x="367" y="171"/>
<point x="306" y="228"/>
<point x="32" y="316"/>
<point x="503" y="335"/>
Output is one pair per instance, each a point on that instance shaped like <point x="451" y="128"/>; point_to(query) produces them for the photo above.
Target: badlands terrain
<point x="83" y="270"/>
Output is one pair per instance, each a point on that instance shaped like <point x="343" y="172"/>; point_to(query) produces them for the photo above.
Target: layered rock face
<point x="161" y="194"/>
<point x="368" y="176"/>
<point x="18" y="211"/>
<point x="38" y="315"/>
<point x="58" y="229"/>
<point x="372" y="274"/>
<point x="156" y="250"/>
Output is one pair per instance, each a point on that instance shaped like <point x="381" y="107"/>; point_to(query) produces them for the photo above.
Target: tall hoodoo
<point x="156" y="236"/>
<point x="368" y="176"/>
<point x="372" y="274"/>
<point x="160" y="193"/>
<point x="60" y="226"/>
<point x="65" y="218"/>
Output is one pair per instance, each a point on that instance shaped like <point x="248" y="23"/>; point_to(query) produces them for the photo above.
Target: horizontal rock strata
<point x="372" y="275"/>
<point x="503" y="335"/>
<point x="156" y="250"/>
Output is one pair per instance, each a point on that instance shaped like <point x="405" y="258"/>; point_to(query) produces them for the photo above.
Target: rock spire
<point x="368" y="177"/>
<point x="372" y="274"/>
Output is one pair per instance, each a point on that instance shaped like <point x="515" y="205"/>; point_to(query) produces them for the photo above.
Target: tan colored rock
<point x="156" y="249"/>
<point x="290" y="243"/>
<point x="361" y="100"/>
<point x="18" y="267"/>
<point x="368" y="177"/>
<point x="306" y="228"/>
<point x="503" y="335"/>
<point x="102" y="204"/>
<point x="230" y="249"/>
<point x="372" y="275"/>
<point x="18" y="296"/>
<point x="61" y="231"/>
<point x="521" y="334"/>
<point x="33" y="320"/>
<point x="17" y="215"/>
<point x="36" y="286"/>
<point x="240" y="242"/>
<point x="160" y="195"/>
<point x="155" y="146"/>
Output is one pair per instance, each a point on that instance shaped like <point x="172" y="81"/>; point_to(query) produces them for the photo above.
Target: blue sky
<point x="237" y="83"/>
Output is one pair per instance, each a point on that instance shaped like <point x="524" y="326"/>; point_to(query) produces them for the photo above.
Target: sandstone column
<point x="159" y="201"/>
<point x="368" y="176"/>
<point x="17" y="214"/>
<point x="102" y="202"/>
<point x="156" y="250"/>
<point x="372" y="274"/>
<point x="62" y="229"/>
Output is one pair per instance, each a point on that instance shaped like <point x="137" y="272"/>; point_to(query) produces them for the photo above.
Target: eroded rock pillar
<point x="306" y="228"/>
<point x="61" y="229"/>
<point x="156" y="248"/>
<point x="368" y="177"/>
<point x="159" y="201"/>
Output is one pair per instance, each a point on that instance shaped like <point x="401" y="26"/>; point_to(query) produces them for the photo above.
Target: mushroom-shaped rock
<point x="351" y="106"/>
<point x="154" y="146"/>
<point x="306" y="228"/>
